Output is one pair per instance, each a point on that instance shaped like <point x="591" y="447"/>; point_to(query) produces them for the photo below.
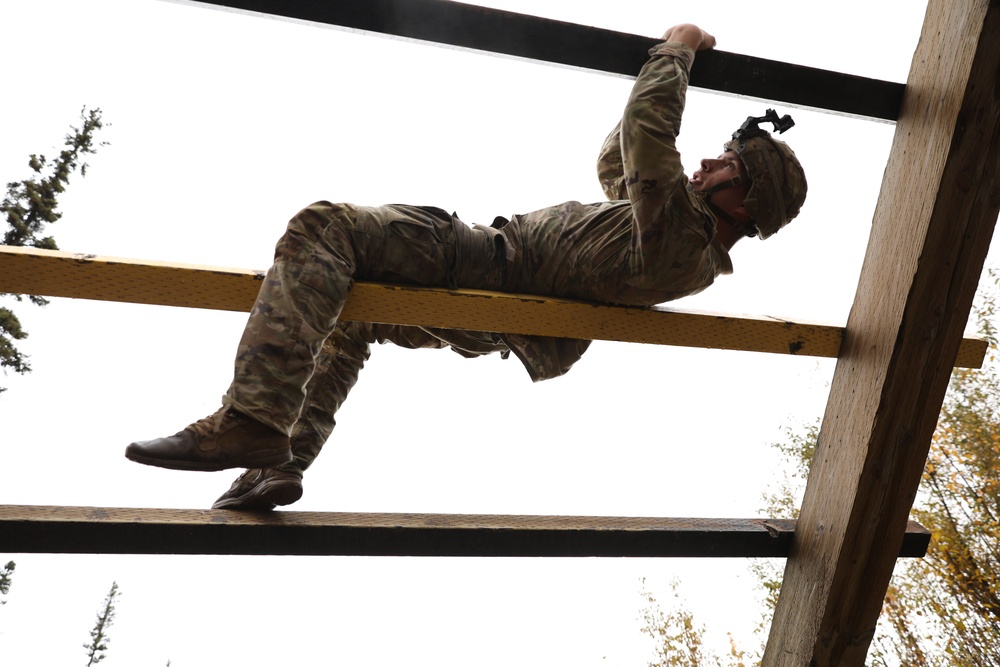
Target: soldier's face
<point x="718" y="170"/>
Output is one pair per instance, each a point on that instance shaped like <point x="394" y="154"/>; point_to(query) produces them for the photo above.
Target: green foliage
<point x="30" y="205"/>
<point x="798" y="447"/>
<point x="97" y="649"/>
<point x="11" y="330"/>
<point x="942" y="610"/>
<point x="679" y="640"/>
<point x="5" y="579"/>
<point x="945" y="608"/>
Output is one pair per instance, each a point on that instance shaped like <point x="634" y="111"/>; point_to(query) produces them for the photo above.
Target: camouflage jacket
<point x="654" y="241"/>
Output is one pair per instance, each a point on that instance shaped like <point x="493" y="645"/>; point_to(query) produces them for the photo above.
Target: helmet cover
<point x="778" y="182"/>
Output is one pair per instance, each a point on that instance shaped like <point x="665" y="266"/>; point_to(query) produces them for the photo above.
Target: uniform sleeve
<point x="648" y="132"/>
<point x="610" y="166"/>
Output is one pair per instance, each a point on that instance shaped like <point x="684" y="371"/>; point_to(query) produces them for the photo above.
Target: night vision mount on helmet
<point x="777" y="181"/>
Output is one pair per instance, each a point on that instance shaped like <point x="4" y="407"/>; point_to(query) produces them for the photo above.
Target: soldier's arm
<point x="610" y="163"/>
<point x="610" y="166"/>
<point x="652" y="121"/>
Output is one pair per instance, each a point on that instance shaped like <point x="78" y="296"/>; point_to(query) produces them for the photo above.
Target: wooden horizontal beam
<point x="48" y="529"/>
<point x="558" y="42"/>
<point x="61" y="274"/>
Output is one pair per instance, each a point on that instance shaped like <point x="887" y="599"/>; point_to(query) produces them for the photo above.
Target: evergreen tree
<point x="5" y="579"/>
<point x="28" y="206"/>
<point x="97" y="649"/>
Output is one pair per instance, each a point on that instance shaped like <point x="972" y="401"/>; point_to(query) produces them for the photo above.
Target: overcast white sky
<point x="223" y="125"/>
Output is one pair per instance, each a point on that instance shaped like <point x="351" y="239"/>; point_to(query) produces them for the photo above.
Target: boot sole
<point x="263" y="498"/>
<point x="268" y="458"/>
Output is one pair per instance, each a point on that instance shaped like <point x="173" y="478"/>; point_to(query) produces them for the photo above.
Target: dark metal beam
<point x="41" y="529"/>
<point x="558" y="42"/>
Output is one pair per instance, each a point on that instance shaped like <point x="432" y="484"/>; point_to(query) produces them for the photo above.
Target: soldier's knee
<point x="353" y="339"/>
<point x="308" y="225"/>
<point x="313" y="219"/>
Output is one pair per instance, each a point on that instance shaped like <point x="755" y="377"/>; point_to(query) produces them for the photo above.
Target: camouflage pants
<point x="341" y="359"/>
<point x="296" y="362"/>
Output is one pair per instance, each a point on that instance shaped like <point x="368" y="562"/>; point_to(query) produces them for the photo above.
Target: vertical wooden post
<point x="930" y="235"/>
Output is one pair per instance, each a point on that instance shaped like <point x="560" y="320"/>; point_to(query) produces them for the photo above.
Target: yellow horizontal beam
<point x="61" y="274"/>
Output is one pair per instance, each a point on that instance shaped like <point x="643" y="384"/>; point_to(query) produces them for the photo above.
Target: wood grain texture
<point x="933" y="224"/>
<point x="60" y="274"/>
<point x="50" y="529"/>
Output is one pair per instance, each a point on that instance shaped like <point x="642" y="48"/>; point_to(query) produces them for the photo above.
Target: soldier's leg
<point x="342" y="358"/>
<point x="340" y="361"/>
<point x="324" y="249"/>
<point x="296" y="310"/>
<point x="344" y="355"/>
<point x="300" y="299"/>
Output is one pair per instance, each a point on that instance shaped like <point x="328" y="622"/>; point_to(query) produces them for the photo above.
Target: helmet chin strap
<point x="746" y="229"/>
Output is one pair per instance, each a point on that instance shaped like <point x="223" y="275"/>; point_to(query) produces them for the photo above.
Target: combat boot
<point x="261" y="490"/>
<point x="225" y="439"/>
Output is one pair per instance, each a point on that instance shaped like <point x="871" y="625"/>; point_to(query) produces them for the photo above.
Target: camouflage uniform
<point x="654" y="241"/>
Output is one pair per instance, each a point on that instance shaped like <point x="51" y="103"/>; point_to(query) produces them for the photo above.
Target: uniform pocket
<point x="418" y="245"/>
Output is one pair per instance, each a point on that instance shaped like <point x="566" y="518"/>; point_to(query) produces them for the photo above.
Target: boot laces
<point x="213" y="423"/>
<point x="250" y="476"/>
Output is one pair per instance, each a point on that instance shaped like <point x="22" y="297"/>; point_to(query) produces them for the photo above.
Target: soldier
<point x="661" y="236"/>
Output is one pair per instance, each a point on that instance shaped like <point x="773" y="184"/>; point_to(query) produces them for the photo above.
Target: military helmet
<point x="778" y="183"/>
